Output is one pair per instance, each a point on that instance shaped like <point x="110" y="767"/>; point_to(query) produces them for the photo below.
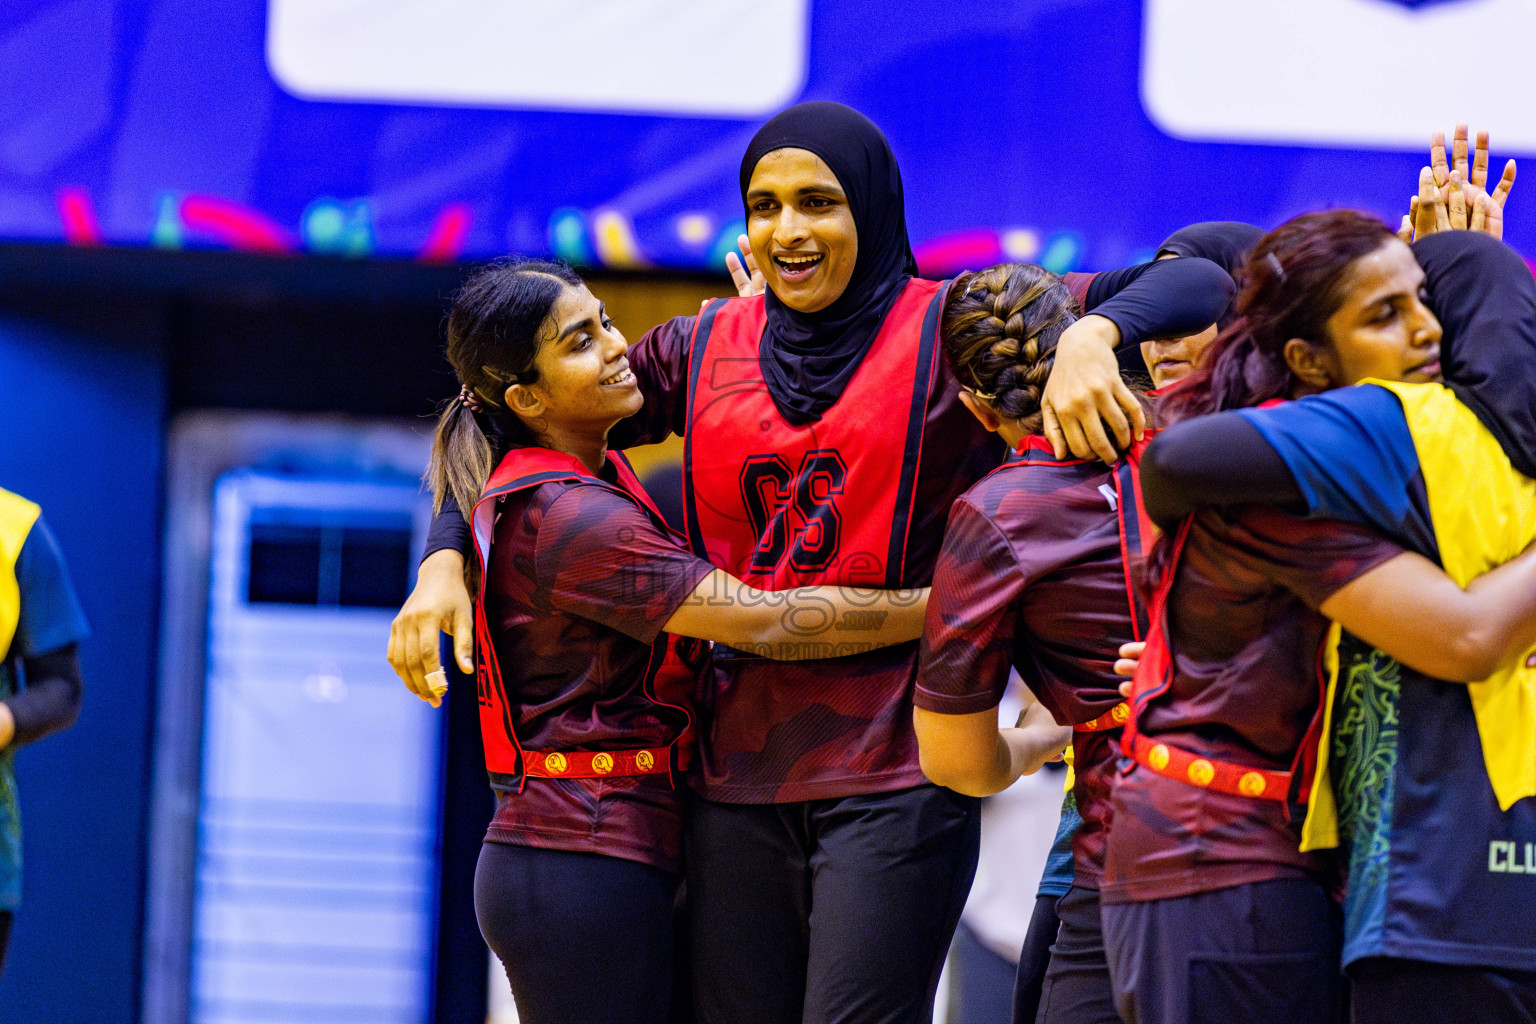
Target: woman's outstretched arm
<point x="800" y="624"/>
<point x="1213" y="461"/>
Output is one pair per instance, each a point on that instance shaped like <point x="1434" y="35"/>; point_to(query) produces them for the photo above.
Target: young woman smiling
<point x="1212" y="912"/>
<point x="585" y="689"/>
<point x="824" y="443"/>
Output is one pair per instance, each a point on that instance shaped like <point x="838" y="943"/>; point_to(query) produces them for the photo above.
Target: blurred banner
<point x="1075" y="133"/>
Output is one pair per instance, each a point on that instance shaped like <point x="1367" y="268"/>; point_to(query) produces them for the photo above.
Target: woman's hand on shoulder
<point x="1085" y="395"/>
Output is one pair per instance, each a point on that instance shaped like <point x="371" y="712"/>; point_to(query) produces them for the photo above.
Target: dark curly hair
<point x="999" y="331"/>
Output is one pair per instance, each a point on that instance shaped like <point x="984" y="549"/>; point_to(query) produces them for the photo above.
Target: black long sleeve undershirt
<point x="1219" y="460"/>
<point x="449" y="530"/>
<point x="1161" y="299"/>
<point x="50" y="702"/>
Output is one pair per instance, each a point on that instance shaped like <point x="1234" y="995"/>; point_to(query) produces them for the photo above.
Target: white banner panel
<point x="1352" y="73"/>
<point x="728" y="58"/>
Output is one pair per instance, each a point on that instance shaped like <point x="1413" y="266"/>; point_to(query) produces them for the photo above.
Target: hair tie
<point x="468" y="400"/>
<point x="1274" y="263"/>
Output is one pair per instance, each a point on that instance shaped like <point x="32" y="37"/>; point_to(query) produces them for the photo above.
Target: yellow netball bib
<point x="1483" y="512"/>
<point x="17" y="515"/>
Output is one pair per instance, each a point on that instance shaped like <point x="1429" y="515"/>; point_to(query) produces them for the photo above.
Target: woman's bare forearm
<point x="965" y="753"/>
<point x="799" y="624"/>
<point x="1505" y="609"/>
<point x="1413" y="611"/>
<point x="970" y="754"/>
<point x="842" y="620"/>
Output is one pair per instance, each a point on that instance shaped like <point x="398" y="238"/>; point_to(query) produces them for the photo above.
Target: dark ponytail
<point x="999" y="331"/>
<point x="1288" y="288"/>
<point x="493" y="336"/>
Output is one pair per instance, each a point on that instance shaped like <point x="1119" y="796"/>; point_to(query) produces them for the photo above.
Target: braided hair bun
<point x="999" y="331"/>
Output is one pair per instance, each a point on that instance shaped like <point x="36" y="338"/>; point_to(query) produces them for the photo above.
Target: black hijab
<point x="808" y="358"/>
<point x="1485" y="297"/>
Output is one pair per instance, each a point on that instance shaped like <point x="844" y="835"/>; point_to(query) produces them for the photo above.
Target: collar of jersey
<point x="1035" y="449"/>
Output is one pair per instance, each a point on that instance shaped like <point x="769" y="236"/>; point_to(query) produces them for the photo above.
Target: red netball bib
<point x="783" y="506"/>
<point x="669" y="675"/>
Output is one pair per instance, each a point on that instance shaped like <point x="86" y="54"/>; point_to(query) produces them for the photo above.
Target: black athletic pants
<point x="1264" y="953"/>
<point x="1034" y="958"/>
<point x="1076" y="988"/>
<point x="1385" y="990"/>
<point x="832" y="911"/>
<point x="583" y="937"/>
<point x="6" y="917"/>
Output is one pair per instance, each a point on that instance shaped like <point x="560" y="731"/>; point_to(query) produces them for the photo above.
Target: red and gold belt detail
<point x="1114" y="718"/>
<point x="1207" y="773"/>
<point x="585" y="764"/>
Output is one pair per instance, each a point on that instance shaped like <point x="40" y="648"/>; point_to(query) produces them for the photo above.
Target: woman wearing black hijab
<point x="818" y="334"/>
<point x="816" y="833"/>
<point x="825" y="442"/>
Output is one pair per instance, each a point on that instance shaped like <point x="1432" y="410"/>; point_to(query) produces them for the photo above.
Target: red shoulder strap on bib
<point x="1154" y="671"/>
<point x="522" y="468"/>
<point x="1137" y="532"/>
<point x="668" y="672"/>
<point x="519" y="469"/>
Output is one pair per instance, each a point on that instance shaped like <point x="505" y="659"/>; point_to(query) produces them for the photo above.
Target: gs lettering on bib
<point x="783" y="506"/>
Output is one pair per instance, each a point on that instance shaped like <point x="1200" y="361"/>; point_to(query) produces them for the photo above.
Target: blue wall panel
<point x="82" y="400"/>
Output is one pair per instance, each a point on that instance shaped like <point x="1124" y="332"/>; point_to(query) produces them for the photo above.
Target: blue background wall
<point x="81" y="431"/>
<point x="99" y="348"/>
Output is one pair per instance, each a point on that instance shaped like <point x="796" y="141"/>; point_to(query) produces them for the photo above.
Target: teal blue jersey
<point x="1059" y="869"/>
<point x="50" y="619"/>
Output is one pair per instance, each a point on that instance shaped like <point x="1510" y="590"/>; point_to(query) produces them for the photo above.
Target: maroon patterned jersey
<point x="1031" y="575"/>
<point x="580" y="583"/>
<point x="774" y="732"/>
<point x="1245" y="637"/>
